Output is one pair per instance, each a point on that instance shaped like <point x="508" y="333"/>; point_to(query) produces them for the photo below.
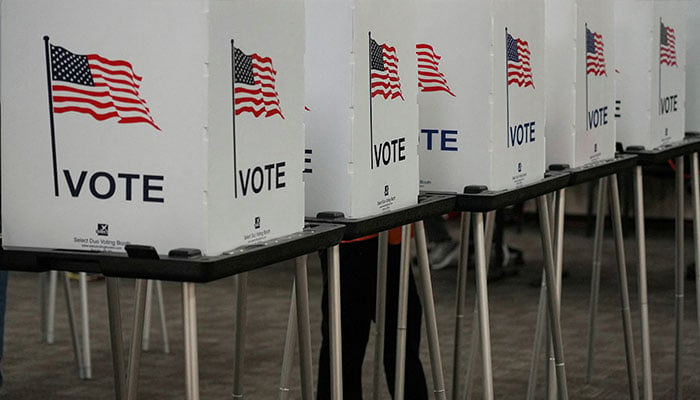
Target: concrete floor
<point x="36" y="370"/>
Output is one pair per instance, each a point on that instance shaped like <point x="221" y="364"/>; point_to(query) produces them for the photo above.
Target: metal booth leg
<point x="696" y="231"/>
<point x="380" y="312"/>
<point x="241" y="281"/>
<point x="289" y="346"/>
<point x="85" y="320"/>
<point x="642" y="281"/>
<point x="146" y="343"/>
<point x="150" y="286"/>
<point x="136" y="338"/>
<point x="43" y="304"/>
<point x="336" y="362"/>
<point x="163" y="324"/>
<point x="51" y="312"/>
<point x="482" y="301"/>
<point x="298" y="311"/>
<point x="116" y="338"/>
<point x="400" y="378"/>
<point x="680" y="276"/>
<point x="429" y="311"/>
<point x="73" y="326"/>
<point x="557" y="216"/>
<point x="595" y="277"/>
<point x="557" y="220"/>
<point x="539" y="340"/>
<point x="461" y="300"/>
<point x="552" y="295"/>
<point x="556" y="213"/>
<point x="189" y="306"/>
<point x="488" y="228"/>
<point x="624" y="292"/>
<point x="304" y="327"/>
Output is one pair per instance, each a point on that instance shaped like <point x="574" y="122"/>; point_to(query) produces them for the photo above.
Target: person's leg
<point x="415" y="384"/>
<point x="436" y="230"/>
<point x="358" y="262"/>
<point x="443" y="250"/>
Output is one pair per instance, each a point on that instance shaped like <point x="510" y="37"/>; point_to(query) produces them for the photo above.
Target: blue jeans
<point x="3" y="296"/>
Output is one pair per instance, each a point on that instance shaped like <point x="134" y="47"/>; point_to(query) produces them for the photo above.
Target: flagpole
<point x="371" y="134"/>
<point x="233" y="117"/>
<point x="507" y="93"/>
<point x="585" y="68"/>
<point x="53" y="130"/>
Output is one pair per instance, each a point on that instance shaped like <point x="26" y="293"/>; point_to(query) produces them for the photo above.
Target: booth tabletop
<point x="313" y="237"/>
<point x="601" y="169"/>
<point x="690" y="144"/>
<point x="488" y="200"/>
<point x="429" y="204"/>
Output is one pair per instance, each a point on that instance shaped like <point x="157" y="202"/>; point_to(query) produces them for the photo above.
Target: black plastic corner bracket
<point x="558" y="167"/>
<point x="475" y="189"/>
<point x="184" y="252"/>
<point x="330" y="215"/>
<point x="141" y="251"/>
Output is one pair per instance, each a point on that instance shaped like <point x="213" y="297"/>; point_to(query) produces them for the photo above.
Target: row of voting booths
<point x="221" y="124"/>
<point x="253" y="117"/>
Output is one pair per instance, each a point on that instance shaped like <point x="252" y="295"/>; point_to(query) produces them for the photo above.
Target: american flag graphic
<point x="519" y="70"/>
<point x="430" y="79"/>
<point x="595" y="56"/>
<point x="384" y="71"/>
<point x="667" y="54"/>
<point x="254" y="85"/>
<point x="97" y="86"/>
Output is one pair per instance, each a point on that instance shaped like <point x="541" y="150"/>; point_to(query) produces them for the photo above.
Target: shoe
<point x="443" y="255"/>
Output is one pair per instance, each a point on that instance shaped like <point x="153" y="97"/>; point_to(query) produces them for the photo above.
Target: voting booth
<point x="580" y="87"/>
<point x="166" y="123"/>
<point x="650" y="60"/>
<point x="361" y="112"/>
<point x="482" y="82"/>
<point x="692" y="103"/>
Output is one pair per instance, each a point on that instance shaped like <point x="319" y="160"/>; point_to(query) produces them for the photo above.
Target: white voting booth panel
<point x="119" y="125"/>
<point x="650" y="58"/>
<point x="692" y="104"/>
<point x="482" y="78"/>
<point x="580" y="87"/>
<point x="362" y="115"/>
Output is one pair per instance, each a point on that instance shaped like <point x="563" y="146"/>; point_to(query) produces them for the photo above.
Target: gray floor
<point x="36" y="370"/>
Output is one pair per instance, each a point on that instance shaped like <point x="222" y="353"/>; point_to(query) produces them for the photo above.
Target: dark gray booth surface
<point x="35" y="370"/>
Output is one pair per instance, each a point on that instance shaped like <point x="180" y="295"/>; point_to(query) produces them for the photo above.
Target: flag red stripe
<point x="387" y="95"/>
<point x="256" y="101"/>
<point x="98" y="78"/>
<point x="259" y="111"/>
<point x="245" y="93"/>
<point x="114" y="63"/>
<point x="436" y="89"/>
<point x="104" y="116"/>
<point x="114" y="74"/>
<point x="90" y="96"/>
<point x="85" y="110"/>
<point x="132" y="120"/>
<point x="98" y="104"/>
<point x="428" y="69"/>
